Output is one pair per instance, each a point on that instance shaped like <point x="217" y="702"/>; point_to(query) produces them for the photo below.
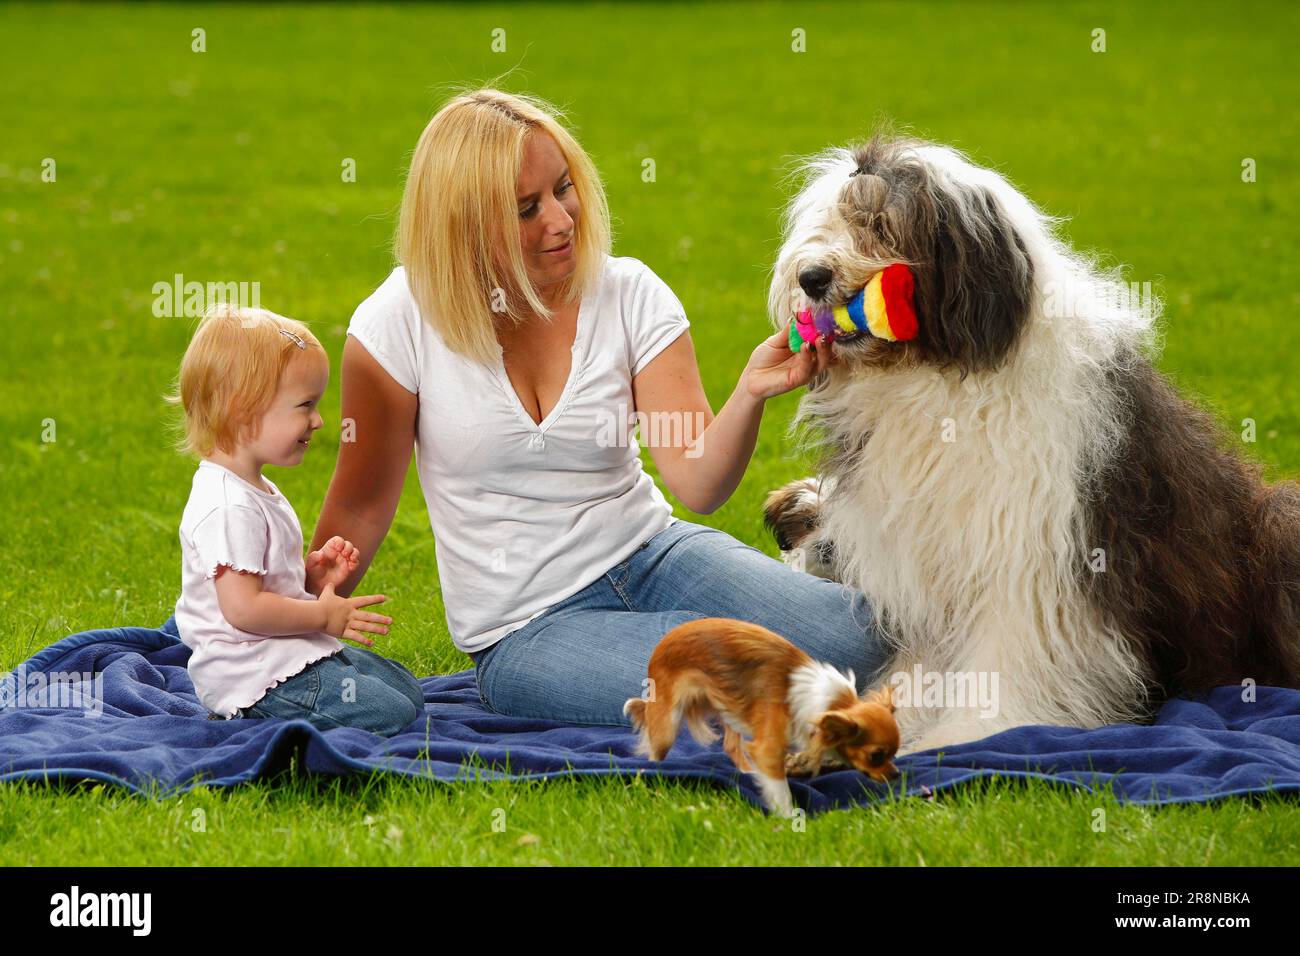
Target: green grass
<point x="377" y="820"/>
<point x="225" y="165"/>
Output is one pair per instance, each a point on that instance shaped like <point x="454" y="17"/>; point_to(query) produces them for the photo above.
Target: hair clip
<point x="297" y="339"/>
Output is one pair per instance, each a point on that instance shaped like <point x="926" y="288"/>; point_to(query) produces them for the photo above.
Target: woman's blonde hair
<point x="458" y="231"/>
<point x="230" y="374"/>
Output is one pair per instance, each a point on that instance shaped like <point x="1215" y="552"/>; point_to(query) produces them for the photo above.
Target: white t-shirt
<point x="229" y="522"/>
<point x="525" y="515"/>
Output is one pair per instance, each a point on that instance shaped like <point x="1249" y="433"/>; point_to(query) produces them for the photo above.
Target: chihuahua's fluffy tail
<point x="657" y="722"/>
<point x="634" y="710"/>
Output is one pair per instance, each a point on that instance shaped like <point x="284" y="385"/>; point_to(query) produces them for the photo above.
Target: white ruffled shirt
<point x="228" y="521"/>
<point x="525" y="515"/>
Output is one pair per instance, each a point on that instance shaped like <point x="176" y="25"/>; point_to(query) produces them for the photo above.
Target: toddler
<point x="262" y="624"/>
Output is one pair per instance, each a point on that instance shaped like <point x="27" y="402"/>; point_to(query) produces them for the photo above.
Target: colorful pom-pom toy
<point x="885" y="307"/>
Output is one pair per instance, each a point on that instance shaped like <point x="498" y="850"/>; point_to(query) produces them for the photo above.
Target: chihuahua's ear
<point x="836" y="729"/>
<point x="884" y="697"/>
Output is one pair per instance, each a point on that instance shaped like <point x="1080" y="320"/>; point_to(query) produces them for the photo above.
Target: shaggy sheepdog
<point x="1018" y="491"/>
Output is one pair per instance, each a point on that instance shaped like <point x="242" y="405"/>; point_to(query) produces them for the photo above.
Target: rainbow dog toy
<point x="884" y="307"/>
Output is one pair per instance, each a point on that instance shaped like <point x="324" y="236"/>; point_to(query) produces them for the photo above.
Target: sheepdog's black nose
<point x="815" y="280"/>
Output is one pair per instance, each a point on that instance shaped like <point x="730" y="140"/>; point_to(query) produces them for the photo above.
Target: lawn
<point x="226" y="165"/>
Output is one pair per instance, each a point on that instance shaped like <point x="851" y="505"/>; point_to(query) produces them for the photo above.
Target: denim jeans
<point x="383" y="698"/>
<point x="581" y="659"/>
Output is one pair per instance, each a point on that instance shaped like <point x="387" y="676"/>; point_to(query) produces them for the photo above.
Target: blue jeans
<point x="581" y="659"/>
<point x="383" y="698"/>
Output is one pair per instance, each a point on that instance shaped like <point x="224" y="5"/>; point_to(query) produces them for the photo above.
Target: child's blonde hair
<point x="230" y="374"/>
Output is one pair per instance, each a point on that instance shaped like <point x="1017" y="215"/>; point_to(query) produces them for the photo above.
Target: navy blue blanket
<point x="143" y="728"/>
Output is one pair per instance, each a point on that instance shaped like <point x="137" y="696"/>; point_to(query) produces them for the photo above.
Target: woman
<point x="513" y="351"/>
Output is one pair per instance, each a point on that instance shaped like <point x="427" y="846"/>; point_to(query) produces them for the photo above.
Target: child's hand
<point x="344" y="617"/>
<point x="332" y="564"/>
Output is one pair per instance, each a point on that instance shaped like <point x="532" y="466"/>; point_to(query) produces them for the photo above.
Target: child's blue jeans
<point x="353" y="687"/>
<point x="585" y="656"/>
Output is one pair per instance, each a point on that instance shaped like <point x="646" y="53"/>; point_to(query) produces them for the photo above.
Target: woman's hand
<point x="344" y="617"/>
<point x="336" y="559"/>
<point x="774" y="369"/>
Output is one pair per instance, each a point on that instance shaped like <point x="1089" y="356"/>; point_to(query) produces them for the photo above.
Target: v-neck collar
<point x="578" y="349"/>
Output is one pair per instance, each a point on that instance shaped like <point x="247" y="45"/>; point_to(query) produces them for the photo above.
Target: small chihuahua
<point x="763" y="687"/>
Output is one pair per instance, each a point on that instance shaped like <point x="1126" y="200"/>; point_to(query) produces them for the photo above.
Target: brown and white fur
<point x="763" y="687"/>
<point x="1018" y="490"/>
<point x="792" y="513"/>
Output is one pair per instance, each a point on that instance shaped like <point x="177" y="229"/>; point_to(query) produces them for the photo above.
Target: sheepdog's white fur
<point x="956" y="506"/>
